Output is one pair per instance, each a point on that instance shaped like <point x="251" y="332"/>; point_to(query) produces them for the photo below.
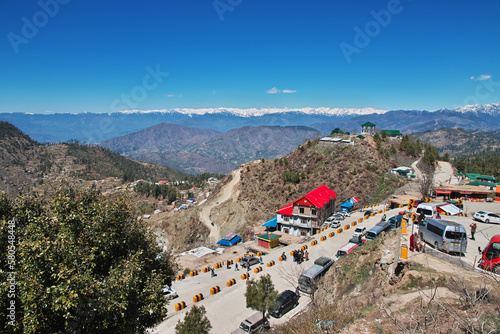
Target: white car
<point x="333" y="221"/>
<point x="169" y="293"/>
<point x="487" y="217"/>
<point x="359" y="231"/>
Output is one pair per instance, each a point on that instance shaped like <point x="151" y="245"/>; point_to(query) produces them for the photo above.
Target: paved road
<point x="444" y="174"/>
<point x="225" y="195"/>
<point x="226" y="309"/>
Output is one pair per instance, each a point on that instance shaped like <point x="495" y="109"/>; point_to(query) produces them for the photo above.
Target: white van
<point x="429" y="210"/>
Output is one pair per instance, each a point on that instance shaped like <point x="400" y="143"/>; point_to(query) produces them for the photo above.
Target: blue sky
<point x="89" y="55"/>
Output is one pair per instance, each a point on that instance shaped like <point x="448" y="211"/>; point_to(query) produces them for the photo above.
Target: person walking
<point x="473" y="228"/>
<point x="283" y="256"/>
<point x="306" y="254"/>
<point x="297" y="291"/>
<point x="212" y="270"/>
<point x="236" y="267"/>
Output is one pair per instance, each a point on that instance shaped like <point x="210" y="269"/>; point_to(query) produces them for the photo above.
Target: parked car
<point x="249" y="261"/>
<point x="338" y="216"/>
<point x="490" y="259"/>
<point x="359" y="231"/>
<point x="487" y="217"/>
<point x="287" y="300"/>
<point x="367" y="213"/>
<point x="334" y="222"/>
<point x="345" y="213"/>
<point x="357" y="240"/>
<point x="256" y="323"/>
<point x="395" y="221"/>
<point x="169" y="293"/>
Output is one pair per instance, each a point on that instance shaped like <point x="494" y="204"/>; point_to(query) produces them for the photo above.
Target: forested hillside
<point x="27" y="163"/>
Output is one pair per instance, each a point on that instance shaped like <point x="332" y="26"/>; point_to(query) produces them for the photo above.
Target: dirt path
<point x="226" y="193"/>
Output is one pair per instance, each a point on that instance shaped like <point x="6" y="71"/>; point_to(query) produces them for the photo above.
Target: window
<point x="303" y="221"/>
<point x="303" y="233"/>
<point x="493" y="251"/>
<point x="313" y="212"/>
<point x="455" y="235"/>
<point x="434" y="229"/>
<point x="301" y="210"/>
<point x="287" y="219"/>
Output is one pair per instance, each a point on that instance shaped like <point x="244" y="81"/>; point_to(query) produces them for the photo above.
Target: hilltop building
<point x="368" y="128"/>
<point x="305" y="216"/>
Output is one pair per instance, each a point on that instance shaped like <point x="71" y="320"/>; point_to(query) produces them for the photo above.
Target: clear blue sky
<point x="87" y="54"/>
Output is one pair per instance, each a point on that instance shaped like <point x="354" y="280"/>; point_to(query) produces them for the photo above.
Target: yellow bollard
<point x="404" y="252"/>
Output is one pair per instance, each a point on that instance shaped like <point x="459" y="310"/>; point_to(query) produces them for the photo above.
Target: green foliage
<point x="485" y="163"/>
<point x="261" y="295"/>
<point x="292" y="177"/>
<point x="195" y="321"/>
<point x="101" y="162"/>
<point x="410" y="146"/>
<point x="430" y="155"/>
<point x="84" y="264"/>
<point x="166" y="192"/>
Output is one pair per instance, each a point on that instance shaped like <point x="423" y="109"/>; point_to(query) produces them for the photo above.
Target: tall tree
<point x="195" y="321"/>
<point x="261" y="295"/>
<point x="84" y="264"/>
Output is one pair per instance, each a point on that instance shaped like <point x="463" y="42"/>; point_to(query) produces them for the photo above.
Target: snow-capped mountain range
<point x="248" y="112"/>
<point x="97" y="127"/>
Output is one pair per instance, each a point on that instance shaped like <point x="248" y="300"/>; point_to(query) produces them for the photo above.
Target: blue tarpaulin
<point x="229" y="240"/>
<point x="271" y="222"/>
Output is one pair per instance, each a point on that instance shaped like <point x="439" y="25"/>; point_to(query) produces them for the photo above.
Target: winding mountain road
<point x="227" y="192"/>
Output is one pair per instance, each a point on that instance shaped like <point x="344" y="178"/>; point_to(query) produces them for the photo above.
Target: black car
<point x="367" y="213"/>
<point x="249" y="261"/>
<point x="287" y="300"/>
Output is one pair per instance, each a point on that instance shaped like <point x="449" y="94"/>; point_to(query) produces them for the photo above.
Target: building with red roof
<point x="305" y="216"/>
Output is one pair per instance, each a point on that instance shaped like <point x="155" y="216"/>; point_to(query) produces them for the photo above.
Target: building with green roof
<point x="367" y="128"/>
<point x="472" y="176"/>
<point x="392" y="133"/>
<point x="486" y="178"/>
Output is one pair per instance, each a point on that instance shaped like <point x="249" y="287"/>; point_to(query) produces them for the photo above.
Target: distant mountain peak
<point x="490" y="109"/>
<point x="248" y="112"/>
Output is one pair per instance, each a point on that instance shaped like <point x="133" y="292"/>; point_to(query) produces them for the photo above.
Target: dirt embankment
<point x="369" y="292"/>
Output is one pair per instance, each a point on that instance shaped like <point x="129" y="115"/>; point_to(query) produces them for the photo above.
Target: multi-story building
<point x="305" y="216"/>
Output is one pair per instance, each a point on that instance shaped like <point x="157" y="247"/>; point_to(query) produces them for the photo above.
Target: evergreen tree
<point x="195" y="321"/>
<point x="261" y="295"/>
<point x="83" y="263"/>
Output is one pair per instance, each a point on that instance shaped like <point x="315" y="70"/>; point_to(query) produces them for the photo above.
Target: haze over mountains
<point x="94" y="128"/>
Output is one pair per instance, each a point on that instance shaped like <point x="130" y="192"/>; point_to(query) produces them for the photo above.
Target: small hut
<point x="268" y="240"/>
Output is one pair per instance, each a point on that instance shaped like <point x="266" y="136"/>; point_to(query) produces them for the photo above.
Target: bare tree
<point x="425" y="186"/>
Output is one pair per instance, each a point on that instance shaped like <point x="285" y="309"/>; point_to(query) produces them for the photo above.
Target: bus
<point x="377" y="229"/>
<point x="309" y="278"/>
<point x="444" y="235"/>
